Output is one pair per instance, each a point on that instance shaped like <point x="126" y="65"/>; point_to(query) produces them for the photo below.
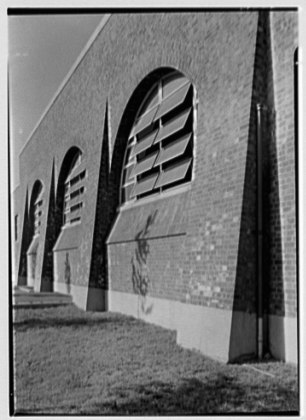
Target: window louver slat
<point x="76" y="193"/>
<point x="72" y="188"/>
<point x="75" y="200"/>
<point x="173" y="174"/>
<point x="174" y="150"/>
<point x="144" y="144"/>
<point x="172" y="126"/>
<point x="77" y="178"/>
<point x="145" y="185"/>
<point x="37" y="210"/>
<point x="144" y="165"/>
<point x="76" y="207"/>
<point x="170" y="85"/>
<point x="72" y="214"/>
<point x="38" y="200"/>
<point x="128" y="173"/>
<point x="76" y="170"/>
<point x="75" y="219"/>
<point x="128" y="191"/>
<point x="172" y="101"/>
<point x="144" y="121"/>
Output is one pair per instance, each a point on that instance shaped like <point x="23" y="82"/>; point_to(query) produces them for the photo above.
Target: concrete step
<point x="26" y="289"/>
<point x="25" y="299"/>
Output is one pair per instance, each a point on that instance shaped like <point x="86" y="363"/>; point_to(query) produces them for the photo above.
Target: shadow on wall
<point x="244" y="328"/>
<point x="140" y="272"/>
<point x="274" y="300"/>
<point x="68" y="273"/>
<point x="28" y="271"/>
<point x="222" y="393"/>
<point x="25" y="242"/>
<point x="103" y="221"/>
<point x="47" y="270"/>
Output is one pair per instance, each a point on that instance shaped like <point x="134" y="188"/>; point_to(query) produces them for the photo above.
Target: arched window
<point x="36" y="208"/>
<point x="159" y="152"/>
<point x="36" y="212"/>
<point x="38" y="204"/>
<point x="74" y="189"/>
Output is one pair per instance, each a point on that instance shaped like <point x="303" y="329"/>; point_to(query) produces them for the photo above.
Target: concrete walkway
<point x="25" y="297"/>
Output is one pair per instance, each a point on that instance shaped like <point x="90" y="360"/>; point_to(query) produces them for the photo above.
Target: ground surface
<point x="68" y="361"/>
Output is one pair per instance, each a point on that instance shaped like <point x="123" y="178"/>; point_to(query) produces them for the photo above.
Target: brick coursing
<point x="283" y="299"/>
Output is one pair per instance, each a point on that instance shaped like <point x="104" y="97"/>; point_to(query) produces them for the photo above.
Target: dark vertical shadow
<point x="25" y="242"/>
<point x="47" y="268"/>
<point x="67" y="273"/>
<point x="275" y="304"/>
<point x="296" y="150"/>
<point x="244" y="300"/>
<point x="98" y="276"/>
<point x="10" y="260"/>
<point x="246" y="285"/>
<point x="274" y="300"/>
<point x="31" y="252"/>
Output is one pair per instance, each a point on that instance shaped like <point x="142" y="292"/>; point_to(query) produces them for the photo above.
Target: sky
<point x="41" y="51"/>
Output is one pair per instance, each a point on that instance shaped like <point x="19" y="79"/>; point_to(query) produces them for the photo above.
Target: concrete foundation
<point x="86" y="298"/>
<point x="217" y="333"/>
<point x="283" y="338"/>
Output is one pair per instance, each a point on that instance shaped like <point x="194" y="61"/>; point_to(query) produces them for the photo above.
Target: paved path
<point x="24" y="297"/>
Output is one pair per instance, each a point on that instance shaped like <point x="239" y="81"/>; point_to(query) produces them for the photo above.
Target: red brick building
<point x="161" y="180"/>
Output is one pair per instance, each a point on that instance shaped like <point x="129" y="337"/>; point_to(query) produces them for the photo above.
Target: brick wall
<point x="223" y="79"/>
<point x="149" y="267"/>
<point x="283" y="300"/>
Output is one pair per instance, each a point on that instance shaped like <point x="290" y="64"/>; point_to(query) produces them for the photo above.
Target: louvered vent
<point x="159" y="152"/>
<point x="74" y="191"/>
<point x="38" y="206"/>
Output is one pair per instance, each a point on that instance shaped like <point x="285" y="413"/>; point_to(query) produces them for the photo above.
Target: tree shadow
<point x="140" y="272"/>
<point x="221" y="394"/>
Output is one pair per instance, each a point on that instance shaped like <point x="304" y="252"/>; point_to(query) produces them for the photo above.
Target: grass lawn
<point x="68" y="361"/>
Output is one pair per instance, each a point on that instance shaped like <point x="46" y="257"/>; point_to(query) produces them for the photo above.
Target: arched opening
<point x="69" y="207"/>
<point x="70" y="188"/>
<point x="35" y="216"/>
<point x="159" y="146"/>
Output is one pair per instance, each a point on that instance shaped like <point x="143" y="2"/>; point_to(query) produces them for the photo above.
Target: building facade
<point x="161" y="180"/>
